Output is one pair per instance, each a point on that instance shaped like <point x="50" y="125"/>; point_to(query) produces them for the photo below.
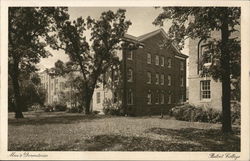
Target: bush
<point x="235" y="112"/>
<point x="49" y="108"/>
<point x="59" y="107"/>
<point x="110" y="108"/>
<point x="75" y="109"/>
<point x="189" y="112"/>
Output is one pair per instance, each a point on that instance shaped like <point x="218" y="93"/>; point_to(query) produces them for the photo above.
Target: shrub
<point x="75" y="109"/>
<point x="49" y="108"/>
<point x="189" y="112"/>
<point x="110" y="108"/>
<point x="60" y="107"/>
<point x="235" y="112"/>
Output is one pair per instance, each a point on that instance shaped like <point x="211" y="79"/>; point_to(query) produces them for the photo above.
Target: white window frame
<point x="157" y="78"/>
<point x="205" y="90"/>
<point x="169" y="80"/>
<point x="162" y="79"/>
<point x="149" y="78"/>
<point x="157" y="60"/>
<point x="149" y="98"/>
<point x="162" y="62"/>
<point x="205" y="48"/>
<point x="130" y="73"/>
<point x="149" y="58"/>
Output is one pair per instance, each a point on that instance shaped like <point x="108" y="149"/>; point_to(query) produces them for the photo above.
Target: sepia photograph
<point x="124" y="79"/>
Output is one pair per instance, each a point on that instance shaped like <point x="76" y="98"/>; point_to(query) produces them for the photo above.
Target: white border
<point x="245" y="75"/>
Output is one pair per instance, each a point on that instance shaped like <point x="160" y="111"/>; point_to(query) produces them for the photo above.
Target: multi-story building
<point x="153" y="77"/>
<point x="56" y="87"/>
<point x="203" y="90"/>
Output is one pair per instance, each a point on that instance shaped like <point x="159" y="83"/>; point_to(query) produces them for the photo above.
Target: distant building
<point x="57" y="88"/>
<point x="153" y="77"/>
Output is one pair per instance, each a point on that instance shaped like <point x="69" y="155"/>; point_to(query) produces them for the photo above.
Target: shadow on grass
<point x="186" y="139"/>
<point x="63" y="118"/>
<point x="210" y="139"/>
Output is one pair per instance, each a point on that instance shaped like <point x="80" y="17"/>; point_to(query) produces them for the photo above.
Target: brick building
<point x="153" y="77"/>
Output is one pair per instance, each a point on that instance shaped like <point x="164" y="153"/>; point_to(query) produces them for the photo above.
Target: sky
<point x="141" y="18"/>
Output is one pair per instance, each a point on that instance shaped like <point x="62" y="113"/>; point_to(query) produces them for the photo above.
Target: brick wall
<point x="139" y="85"/>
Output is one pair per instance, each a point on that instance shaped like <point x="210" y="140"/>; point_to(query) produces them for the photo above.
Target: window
<point x="181" y="65"/>
<point x="130" y="75"/>
<point x="169" y="62"/>
<point x="156" y="78"/>
<point x="162" y="79"/>
<point x="157" y="60"/>
<point x="149" y="98"/>
<point x="149" y="58"/>
<point x="206" y="54"/>
<point x="157" y="97"/>
<point x="182" y="81"/>
<point x="169" y="98"/>
<point x="130" y="55"/>
<point x="162" y="61"/>
<point x="205" y="89"/>
<point x="98" y="97"/>
<point x="169" y="80"/>
<point x="162" y="98"/>
<point x="181" y="98"/>
<point x="149" y="80"/>
<point x="130" y="97"/>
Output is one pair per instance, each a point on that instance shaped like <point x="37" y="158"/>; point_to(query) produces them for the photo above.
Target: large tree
<point x="31" y="29"/>
<point x="94" y="57"/>
<point x="198" y="23"/>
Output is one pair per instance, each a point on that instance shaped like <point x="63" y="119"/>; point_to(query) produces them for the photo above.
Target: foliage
<point x="192" y="113"/>
<point x="110" y="108"/>
<point x="92" y="60"/>
<point x="199" y="23"/>
<point x="31" y="29"/>
<point x="31" y="93"/>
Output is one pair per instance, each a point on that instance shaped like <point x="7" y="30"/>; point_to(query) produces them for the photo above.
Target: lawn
<point x="59" y="131"/>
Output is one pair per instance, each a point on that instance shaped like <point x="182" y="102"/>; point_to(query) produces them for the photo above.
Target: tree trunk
<point x="16" y="88"/>
<point x="226" y="89"/>
<point x="87" y="97"/>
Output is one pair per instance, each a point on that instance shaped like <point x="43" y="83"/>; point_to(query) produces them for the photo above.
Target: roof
<point x="150" y="34"/>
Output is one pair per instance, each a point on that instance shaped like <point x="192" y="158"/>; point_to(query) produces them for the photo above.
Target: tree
<point x="198" y="22"/>
<point x="31" y="92"/>
<point x="92" y="61"/>
<point x="30" y="31"/>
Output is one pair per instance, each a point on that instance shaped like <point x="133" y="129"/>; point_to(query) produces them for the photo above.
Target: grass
<point x="59" y="131"/>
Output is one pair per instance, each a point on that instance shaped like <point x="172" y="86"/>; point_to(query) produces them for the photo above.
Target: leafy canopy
<point x="200" y="23"/>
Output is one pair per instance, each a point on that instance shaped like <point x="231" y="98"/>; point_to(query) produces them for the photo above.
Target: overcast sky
<point x="141" y="18"/>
